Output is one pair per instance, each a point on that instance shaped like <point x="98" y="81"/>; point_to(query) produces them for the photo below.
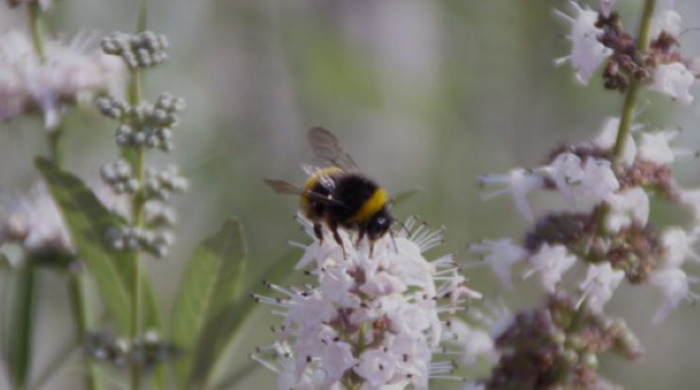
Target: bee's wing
<point x="326" y="148"/>
<point x="284" y="187"/>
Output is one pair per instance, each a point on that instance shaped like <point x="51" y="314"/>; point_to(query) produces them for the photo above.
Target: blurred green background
<point x="424" y="94"/>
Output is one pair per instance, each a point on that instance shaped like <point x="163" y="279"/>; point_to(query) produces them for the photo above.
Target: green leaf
<point x="89" y="222"/>
<point x="211" y="281"/>
<point x="221" y="330"/>
<point x="18" y="322"/>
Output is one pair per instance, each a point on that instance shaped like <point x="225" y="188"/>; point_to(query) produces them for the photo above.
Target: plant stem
<point x="633" y="91"/>
<point x="137" y="160"/>
<point x="630" y="104"/>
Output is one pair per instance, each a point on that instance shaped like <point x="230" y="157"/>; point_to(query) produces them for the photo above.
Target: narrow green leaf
<point x="211" y="281"/>
<point x="4" y="261"/>
<point x="18" y="315"/>
<point x="89" y="222"/>
<point x="221" y="330"/>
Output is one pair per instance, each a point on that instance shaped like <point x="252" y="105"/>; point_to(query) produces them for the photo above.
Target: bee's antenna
<point x="393" y="239"/>
<point x="403" y="225"/>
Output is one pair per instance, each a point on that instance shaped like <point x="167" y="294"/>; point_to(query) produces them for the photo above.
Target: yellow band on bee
<point x="371" y="206"/>
<point x="326" y="172"/>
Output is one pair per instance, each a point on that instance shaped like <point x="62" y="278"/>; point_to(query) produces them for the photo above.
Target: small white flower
<point x="566" y="169"/>
<point x="599" y="180"/>
<point x="627" y="207"/>
<point x="668" y="21"/>
<point x="376" y="367"/>
<point x="519" y="183"/>
<point x="606" y="6"/>
<point x="587" y="52"/>
<point x="475" y="343"/>
<point x="607" y="137"/>
<point x="551" y="262"/>
<point x="677" y="246"/>
<point x="655" y="148"/>
<point x="71" y="72"/>
<point x="674" y="80"/>
<point x="600" y="284"/>
<point x="500" y="255"/>
<point x="675" y="285"/>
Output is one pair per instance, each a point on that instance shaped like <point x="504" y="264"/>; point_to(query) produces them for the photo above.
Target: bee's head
<point x="380" y="224"/>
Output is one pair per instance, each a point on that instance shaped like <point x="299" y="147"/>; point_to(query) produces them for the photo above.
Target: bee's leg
<point x="333" y="226"/>
<point x="318" y="232"/>
<point x="371" y="248"/>
<point x="361" y="231"/>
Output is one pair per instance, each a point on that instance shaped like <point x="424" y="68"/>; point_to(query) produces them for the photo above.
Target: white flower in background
<point x="375" y="319"/>
<point x="677" y="246"/>
<point x="519" y="183"/>
<point x="43" y="4"/>
<point x="35" y="221"/>
<point x="607" y="136"/>
<point x="655" y="148"/>
<point x="500" y="255"/>
<point x="598" y="179"/>
<point x="674" y="80"/>
<point x="606" y="6"/>
<point x="71" y="72"/>
<point x="600" y="284"/>
<point x="551" y="262"/>
<point x="627" y="207"/>
<point x="675" y="285"/>
<point x="668" y="21"/>
<point x="587" y="52"/>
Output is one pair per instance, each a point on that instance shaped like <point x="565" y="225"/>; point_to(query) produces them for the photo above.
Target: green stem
<point x="77" y="292"/>
<point x="137" y="160"/>
<point x="630" y="104"/>
<point x="37" y="29"/>
<point x="633" y="90"/>
<point x="54" y="140"/>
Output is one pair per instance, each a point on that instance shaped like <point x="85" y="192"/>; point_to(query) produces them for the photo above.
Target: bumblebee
<point x="338" y="195"/>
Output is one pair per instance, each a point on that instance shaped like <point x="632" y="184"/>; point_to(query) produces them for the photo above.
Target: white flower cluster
<point x="142" y="50"/>
<point x="672" y="75"/>
<point x="371" y="323"/>
<point x="71" y="72"/>
<point x="149" y="125"/>
<point x="590" y="183"/>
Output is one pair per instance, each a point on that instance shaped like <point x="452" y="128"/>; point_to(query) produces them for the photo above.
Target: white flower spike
<point x="373" y="319"/>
